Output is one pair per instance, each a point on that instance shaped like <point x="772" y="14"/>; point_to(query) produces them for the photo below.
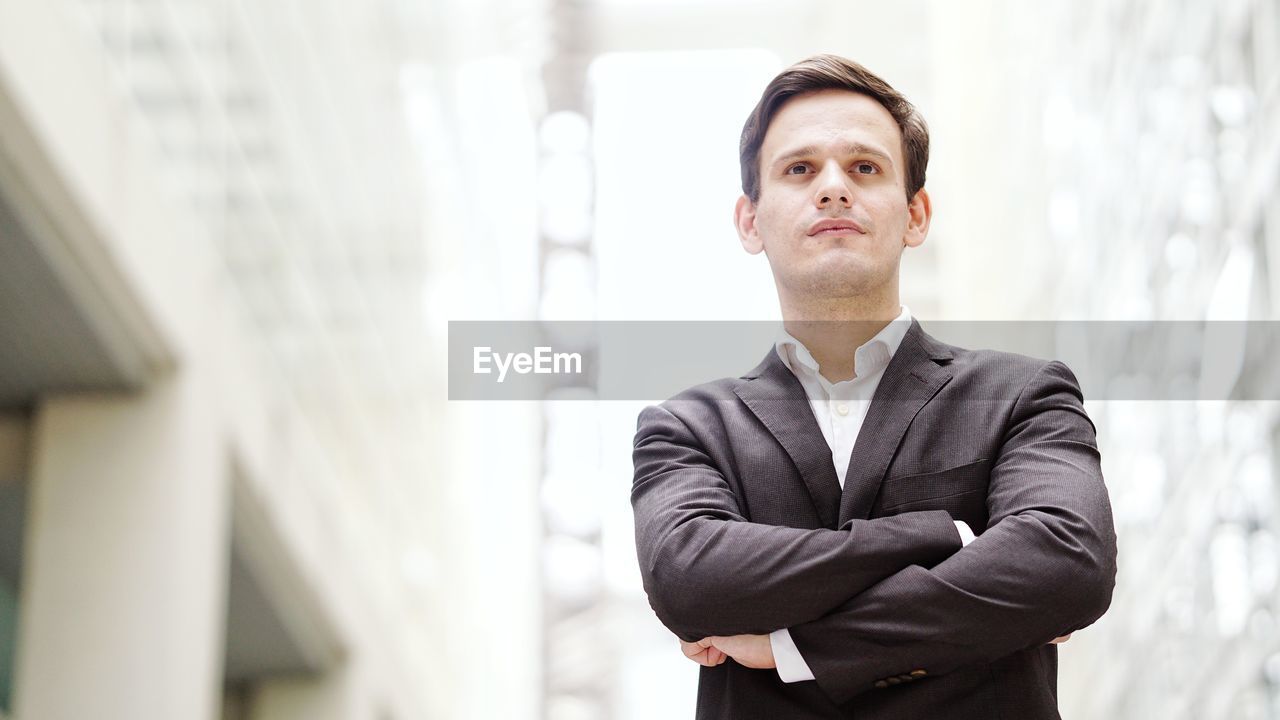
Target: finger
<point x="1060" y="640"/>
<point x="724" y="644"/>
<point x="699" y="657"/>
<point x="715" y="656"/>
<point x="705" y="642"/>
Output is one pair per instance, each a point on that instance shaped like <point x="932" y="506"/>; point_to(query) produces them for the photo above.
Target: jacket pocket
<point x="938" y="485"/>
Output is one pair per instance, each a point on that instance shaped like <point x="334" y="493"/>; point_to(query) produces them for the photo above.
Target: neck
<point x="834" y="328"/>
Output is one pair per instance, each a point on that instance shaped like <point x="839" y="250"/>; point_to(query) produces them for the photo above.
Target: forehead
<point x="831" y="117"/>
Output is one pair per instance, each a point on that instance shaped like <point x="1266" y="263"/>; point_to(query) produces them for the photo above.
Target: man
<point x="807" y="529"/>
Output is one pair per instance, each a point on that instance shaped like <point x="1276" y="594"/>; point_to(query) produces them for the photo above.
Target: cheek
<point x="773" y="223"/>
<point x="891" y="216"/>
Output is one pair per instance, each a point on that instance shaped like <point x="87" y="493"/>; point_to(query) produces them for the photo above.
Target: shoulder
<point x="1007" y="366"/>
<point x="706" y="405"/>
<point x="696" y="407"/>
<point x="997" y="373"/>
<point x="1036" y="395"/>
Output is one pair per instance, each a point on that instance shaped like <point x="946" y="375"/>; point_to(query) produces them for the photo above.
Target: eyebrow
<point x="856" y="148"/>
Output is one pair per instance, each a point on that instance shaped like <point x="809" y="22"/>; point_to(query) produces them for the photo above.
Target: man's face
<point x="833" y="216"/>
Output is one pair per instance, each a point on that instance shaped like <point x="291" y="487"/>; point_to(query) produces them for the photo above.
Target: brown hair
<point x="825" y="72"/>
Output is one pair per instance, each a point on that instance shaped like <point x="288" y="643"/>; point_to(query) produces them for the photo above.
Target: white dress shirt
<point x="839" y="409"/>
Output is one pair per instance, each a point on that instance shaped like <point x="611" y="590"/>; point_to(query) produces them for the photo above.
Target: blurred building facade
<point x="225" y="439"/>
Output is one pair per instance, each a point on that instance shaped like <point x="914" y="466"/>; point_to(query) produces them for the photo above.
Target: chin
<point x="828" y="285"/>
<point x="843" y="276"/>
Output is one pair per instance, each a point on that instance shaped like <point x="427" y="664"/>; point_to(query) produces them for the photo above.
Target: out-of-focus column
<point x="125" y="579"/>
<point x="331" y="696"/>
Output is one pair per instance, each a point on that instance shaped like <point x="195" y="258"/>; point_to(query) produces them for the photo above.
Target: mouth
<point x="834" y="226"/>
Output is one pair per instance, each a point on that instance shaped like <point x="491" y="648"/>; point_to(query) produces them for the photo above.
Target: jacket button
<point x="882" y="683"/>
<point x="893" y="680"/>
<point x="905" y="678"/>
<point x="918" y="673"/>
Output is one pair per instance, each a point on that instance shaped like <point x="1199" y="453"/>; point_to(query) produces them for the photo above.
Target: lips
<point x="835" y="226"/>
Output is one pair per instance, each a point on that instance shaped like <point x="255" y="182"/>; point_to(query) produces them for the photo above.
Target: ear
<point x="744" y="217"/>
<point x="919" y="211"/>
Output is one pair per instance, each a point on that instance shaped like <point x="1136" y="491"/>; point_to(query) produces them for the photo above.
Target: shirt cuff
<point x="786" y="656"/>
<point x="966" y="535"/>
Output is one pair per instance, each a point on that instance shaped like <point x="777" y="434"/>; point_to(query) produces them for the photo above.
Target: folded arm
<point x="708" y="571"/>
<point x="1044" y="567"/>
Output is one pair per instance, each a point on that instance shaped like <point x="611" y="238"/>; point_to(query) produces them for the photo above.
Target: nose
<point x="832" y="187"/>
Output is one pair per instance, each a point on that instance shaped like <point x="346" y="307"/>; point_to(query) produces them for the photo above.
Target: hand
<point x="1060" y="640"/>
<point x="702" y="652"/>
<point x="753" y="651"/>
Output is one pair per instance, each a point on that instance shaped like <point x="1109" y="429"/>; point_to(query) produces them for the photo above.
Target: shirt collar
<point x="871" y="356"/>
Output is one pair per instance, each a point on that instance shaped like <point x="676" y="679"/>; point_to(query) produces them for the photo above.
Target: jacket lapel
<point x="777" y="398"/>
<point x="910" y="380"/>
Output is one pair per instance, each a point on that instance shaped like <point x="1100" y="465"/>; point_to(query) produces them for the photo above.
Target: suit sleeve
<point x="708" y="571"/>
<point x="1044" y="567"/>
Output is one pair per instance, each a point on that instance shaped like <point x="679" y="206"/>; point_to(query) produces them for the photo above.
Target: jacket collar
<point x="914" y="375"/>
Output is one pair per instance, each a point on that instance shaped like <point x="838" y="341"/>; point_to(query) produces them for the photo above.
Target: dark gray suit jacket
<point x="742" y="527"/>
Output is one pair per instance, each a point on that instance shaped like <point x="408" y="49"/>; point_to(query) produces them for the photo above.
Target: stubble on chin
<point x="833" y="280"/>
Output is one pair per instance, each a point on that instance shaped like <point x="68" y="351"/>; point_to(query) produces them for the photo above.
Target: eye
<point x="865" y="168"/>
<point x="791" y="169"/>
